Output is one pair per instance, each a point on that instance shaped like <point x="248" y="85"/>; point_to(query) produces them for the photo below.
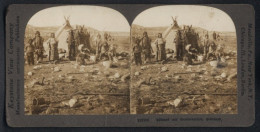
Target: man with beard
<point x="146" y="47"/>
<point x="38" y="45"/>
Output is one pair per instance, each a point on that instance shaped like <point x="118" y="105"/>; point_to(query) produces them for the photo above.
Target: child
<point x="29" y="50"/>
<point x="137" y="49"/>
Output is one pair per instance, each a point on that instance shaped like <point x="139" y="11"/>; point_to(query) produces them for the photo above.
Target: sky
<point x="205" y="17"/>
<point x="100" y="18"/>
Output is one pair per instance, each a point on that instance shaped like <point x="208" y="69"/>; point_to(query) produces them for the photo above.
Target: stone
<point x="107" y="64"/>
<point x="61" y="76"/>
<point x="164" y="69"/>
<point x="213" y="63"/>
<point x="117" y="75"/>
<point x="143" y="67"/>
<point x="227" y="57"/>
<point x="177" y="102"/>
<point x="37" y="67"/>
<point x="223" y="75"/>
<point x="177" y="77"/>
<point x="72" y="102"/>
<point x="30" y="73"/>
<point x="56" y="69"/>
<point x="137" y="73"/>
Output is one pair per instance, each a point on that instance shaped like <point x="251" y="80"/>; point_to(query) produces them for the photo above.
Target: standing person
<point x="38" y="45"/>
<point x="206" y="45"/>
<point x="179" y="45"/>
<point x="214" y="36"/>
<point x="53" y="47"/>
<point x="98" y="45"/>
<point x="146" y="47"/>
<point x="71" y="45"/>
<point x="137" y="50"/>
<point x="104" y="48"/>
<point x="86" y="36"/>
<point x="160" y="44"/>
<point x="29" y="50"/>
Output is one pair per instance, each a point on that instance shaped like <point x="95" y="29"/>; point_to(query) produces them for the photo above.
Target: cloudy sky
<point x="208" y="18"/>
<point x="101" y="18"/>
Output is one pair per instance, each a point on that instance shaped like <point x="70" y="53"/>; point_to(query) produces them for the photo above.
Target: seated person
<point x="190" y="55"/>
<point x="105" y="51"/>
<point x="82" y="55"/>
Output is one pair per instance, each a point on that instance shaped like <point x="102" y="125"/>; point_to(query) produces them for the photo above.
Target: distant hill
<point x="45" y="31"/>
<point x="153" y="31"/>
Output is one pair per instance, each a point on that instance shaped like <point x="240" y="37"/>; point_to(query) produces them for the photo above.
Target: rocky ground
<point x="68" y="89"/>
<point x="174" y="88"/>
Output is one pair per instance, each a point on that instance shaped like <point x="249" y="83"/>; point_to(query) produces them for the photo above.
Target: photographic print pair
<point x="89" y="60"/>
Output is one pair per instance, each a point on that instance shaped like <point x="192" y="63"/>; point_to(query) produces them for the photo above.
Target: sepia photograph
<point x="77" y="62"/>
<point x="183" y="61"/>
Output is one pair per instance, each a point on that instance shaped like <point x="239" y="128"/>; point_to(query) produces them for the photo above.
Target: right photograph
<point x="183" y="61"/>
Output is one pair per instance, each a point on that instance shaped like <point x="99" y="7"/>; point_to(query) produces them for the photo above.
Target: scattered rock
<point x="61" y="76"/>
<point x="37" y="67"/>
<point x="177" y="77"/>
<point x="227" y="57"/>
<point x="177" y="102"/>
<point x="164" y="69"/>
<point x="33" y="82"/>
<point x="72" y="102"/>
<point x="144" y="67"/>
<point x="117" y="75"/>
<point x="213" y="63"/>
<point x="107" y="64"/>
<point x="137" y="73"/>
<point x="30" y="73"/>
<point x="231" y="76"/>
<point x="56" y="69"/>
<point x="229" y="108"/>
<point x="124" y="77"/>
<point x="223" y="75"/>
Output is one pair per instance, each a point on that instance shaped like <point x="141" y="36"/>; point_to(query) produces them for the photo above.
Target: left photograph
<point x="77" y="62"/>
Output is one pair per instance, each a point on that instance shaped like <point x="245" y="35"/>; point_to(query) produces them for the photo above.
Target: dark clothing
<point x="179" y="47"/>
<point x="80" y="59"/>
<point x="71" y="47"/>
<point x="105" y="51"/>
<point x="29" y="49"/>
<point x="137" y="49"/>
<point x="30" y="58"/>
<point x="38" y="45"/>
<point x="146" y="47"/>
<point x="214" y="36"/>
<point x="138" y="58"/>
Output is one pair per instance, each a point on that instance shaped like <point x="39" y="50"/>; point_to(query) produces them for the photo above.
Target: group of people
<point x="34" y="49"/>
<point x="142" y="48"/>
<point x="75" y="39"/>
<point x="187" y="47"/>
